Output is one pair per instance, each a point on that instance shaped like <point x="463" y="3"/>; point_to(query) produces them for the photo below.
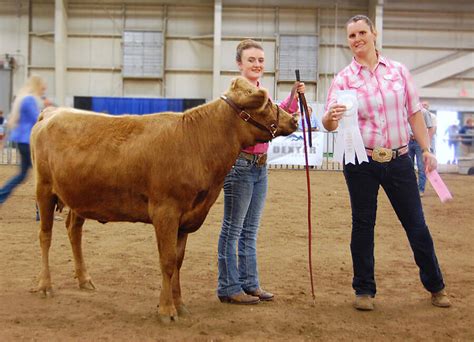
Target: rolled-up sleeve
<point x="412" y="104"/>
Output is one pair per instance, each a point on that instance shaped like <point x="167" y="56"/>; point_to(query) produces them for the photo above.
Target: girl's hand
<point x="300" y="88"/>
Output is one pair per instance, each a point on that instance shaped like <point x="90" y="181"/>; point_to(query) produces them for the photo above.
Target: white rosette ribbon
<point x="348" y="140"/>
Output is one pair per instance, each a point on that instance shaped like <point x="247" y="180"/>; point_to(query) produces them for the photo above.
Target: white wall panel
<point x="14" y="38"/>
<point x="43" y="17"/>
<point x="189" y="54"/>
<point x="467" y="74"/>
<point x="189" y="86"/>
<point x="331" y="17"/>
<point x="327" y="36"/>
<point x="467" y="84"/>
<point x="415" y="58"/>
<point x="433" y="38"/>
<point x="42" y="51"/>
<point x="141" y="88"/>
<point x="83" y="83"/>
<point x="429" y="14"/>
<point x="103" y="19"/>
<point x="254" y="24"/>
<point x="297" y="21"/>
<point x="323" y="87"/>
<point x="13" y="29"/>
<point x="94" y="52"/>
<point x="191" y="21"/>
<point x="144" y="18"/>
<point x="332" y="60"/>
<point x="225" y="81"/>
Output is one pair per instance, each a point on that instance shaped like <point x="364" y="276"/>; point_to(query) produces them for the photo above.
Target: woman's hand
<point x="332" y="116"/>
<point x="335" y="112"/>
<point x="430" y="161"/>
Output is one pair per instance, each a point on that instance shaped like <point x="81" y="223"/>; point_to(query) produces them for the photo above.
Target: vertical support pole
<point x="376" y="15"/>
<point x="60" y="48"/>
<point x="216" y="65"/>
<point x="277" y="52"/>
<point x="164" y="29"/>
<point x="30" y="43"/>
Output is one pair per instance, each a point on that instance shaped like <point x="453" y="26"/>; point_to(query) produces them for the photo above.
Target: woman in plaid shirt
<point x="387" y="105"/>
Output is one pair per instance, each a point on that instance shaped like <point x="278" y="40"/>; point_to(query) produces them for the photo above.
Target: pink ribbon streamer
<point x="439" y="186"/>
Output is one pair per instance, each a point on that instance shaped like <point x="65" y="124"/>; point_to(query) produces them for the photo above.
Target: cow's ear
<point x="233" y="84"/>
<point x="240" y="83"/>
<point x="264" y="99"/>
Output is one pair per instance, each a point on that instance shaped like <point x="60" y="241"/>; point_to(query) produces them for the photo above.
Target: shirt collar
<point x="356" y="66"/>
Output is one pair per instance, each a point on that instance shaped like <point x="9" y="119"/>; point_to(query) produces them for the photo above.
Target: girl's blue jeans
<point x="245" y="189"/>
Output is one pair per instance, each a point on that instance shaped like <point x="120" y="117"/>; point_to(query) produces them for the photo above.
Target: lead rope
<point x="305" y="115"/>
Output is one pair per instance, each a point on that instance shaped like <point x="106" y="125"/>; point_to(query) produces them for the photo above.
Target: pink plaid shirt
<point x="386" y="99"/>
<point x="263" y="147"/>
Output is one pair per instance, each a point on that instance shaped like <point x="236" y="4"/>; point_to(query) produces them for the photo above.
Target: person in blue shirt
<point x="25" y="112"/>
<point x="314" y="122"/>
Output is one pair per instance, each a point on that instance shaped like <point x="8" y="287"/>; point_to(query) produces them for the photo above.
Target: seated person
<point x="313" y="119"/>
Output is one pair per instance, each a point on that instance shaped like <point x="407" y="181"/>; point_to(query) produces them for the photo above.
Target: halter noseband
<point x="272" y="128"/>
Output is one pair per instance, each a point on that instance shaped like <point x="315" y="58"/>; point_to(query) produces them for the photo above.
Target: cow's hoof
<point x="183" y="311"/>
<point x="47" y="293"/>
<point x="87" y="285"/>
<point x="44" y="292"/>
<point x="165" y="319"/>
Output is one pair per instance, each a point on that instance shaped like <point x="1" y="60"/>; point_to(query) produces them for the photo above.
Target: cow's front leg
<point x="166" y="230"/>
<point x="74" y="225"/>
<point x="178" y="300"/>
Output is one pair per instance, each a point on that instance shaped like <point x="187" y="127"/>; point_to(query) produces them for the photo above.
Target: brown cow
<point x="166" y="169"/>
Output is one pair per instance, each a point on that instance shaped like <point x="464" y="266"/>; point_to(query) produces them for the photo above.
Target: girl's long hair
<point x="33" y="87"/>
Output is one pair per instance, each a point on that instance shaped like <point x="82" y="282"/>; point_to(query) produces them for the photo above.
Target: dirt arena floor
<point x="123" y="261"/>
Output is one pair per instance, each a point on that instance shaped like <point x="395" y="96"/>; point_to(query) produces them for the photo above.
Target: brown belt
<point x="257" y="159"/>
<point x="384" y="155"/>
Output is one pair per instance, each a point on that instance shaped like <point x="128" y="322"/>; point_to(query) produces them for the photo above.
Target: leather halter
<point x="272" y="128"/>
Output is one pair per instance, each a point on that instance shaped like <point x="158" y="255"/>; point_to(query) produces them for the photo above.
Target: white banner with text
<point x="290" y="150"/>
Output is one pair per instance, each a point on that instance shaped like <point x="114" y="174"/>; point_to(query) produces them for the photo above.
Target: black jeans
<point x="398" y="179"/>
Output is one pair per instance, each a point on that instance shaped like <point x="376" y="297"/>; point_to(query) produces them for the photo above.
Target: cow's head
<point x="254" y="106"/>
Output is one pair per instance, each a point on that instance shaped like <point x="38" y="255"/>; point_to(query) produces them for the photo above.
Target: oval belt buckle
<point x="382" y="155"/>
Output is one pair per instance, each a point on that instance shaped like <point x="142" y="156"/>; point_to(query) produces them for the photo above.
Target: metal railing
<point x="10" y="156"/>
